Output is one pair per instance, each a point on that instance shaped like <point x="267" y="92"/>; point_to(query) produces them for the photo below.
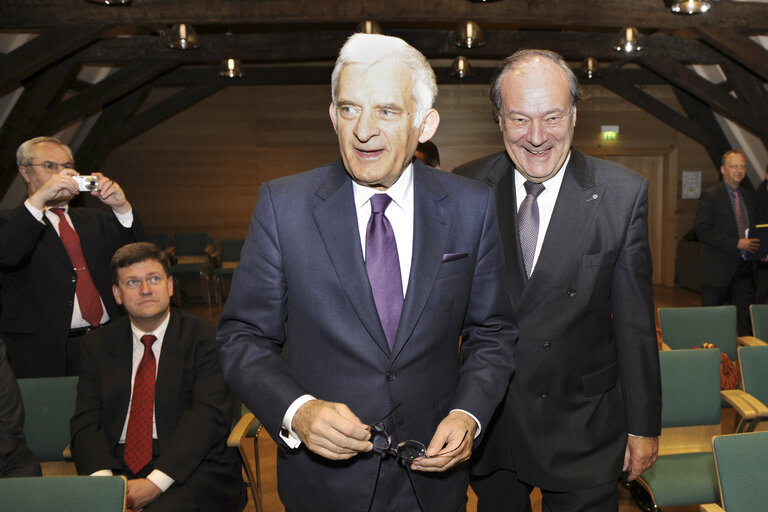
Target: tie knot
<point x="58" y="211"/>
<point x="533" y="189"/>
<point x="147" y="340"/>
<point x="379" y="203"/>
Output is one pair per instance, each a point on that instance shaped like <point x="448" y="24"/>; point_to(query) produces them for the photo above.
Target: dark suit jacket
<point x="192" y="408"/>
<point x="587" y="370"/>
<point x="302" y="281"/>
<point x="15" y="457"/>
<point x="716" y="228"/>
<point x="38" y="283"/>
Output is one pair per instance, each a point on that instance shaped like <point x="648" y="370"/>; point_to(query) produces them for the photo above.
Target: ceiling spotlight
<point x="690" y="7"/>
<point x="461" y="68"/>
<point x="109" y="2"/>
<point x="590" y="68"/>
<point x="182" y="37"/>
<point x="628" y="41"/>
<point x="469" y="35"/>
<point x="230" y="68"/>
<point x="368" y="27"/>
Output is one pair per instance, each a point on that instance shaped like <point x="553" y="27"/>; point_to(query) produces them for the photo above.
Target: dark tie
<point x="138" y="436"/>
<point x="85" y="289"/>
<point x="741" y="222"/>
<point x="383" y="267"/>
<point x="528" y="219"/>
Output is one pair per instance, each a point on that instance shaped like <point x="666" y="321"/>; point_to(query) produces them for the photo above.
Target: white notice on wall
<point x="691" y="184"/>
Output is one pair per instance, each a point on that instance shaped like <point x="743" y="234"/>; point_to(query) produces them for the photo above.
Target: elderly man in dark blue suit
<point x="370" y="270"/>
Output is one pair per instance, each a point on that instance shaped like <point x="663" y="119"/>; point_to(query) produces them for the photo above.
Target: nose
<point x="365" y="128"/>
<point x="537" y="134"/>
<point x="145" y="288"/>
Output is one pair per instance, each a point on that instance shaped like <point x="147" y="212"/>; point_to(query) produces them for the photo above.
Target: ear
<point x="429" y="125"/>
<point x="169" y="280"/>
<point x="23" y="172"/>
<point x="500" y="121"/>
<point x="118" y="296"/>
<point x="332" y="113"/>
<point x="573" y="121"/>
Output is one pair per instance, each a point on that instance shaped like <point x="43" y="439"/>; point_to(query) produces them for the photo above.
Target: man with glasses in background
<point x="54" y="277"/>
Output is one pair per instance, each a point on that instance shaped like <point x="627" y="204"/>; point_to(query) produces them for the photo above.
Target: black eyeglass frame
<point x="53" y="167"/>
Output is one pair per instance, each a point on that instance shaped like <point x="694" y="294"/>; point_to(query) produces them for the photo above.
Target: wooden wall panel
<point x="201" y="170"/>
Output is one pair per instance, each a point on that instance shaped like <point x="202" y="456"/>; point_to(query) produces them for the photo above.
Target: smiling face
<point x="734" y="170"/>
<point x="145" y="290"/>
<point x="537" y="118"/>
<point x="374" y="119"/>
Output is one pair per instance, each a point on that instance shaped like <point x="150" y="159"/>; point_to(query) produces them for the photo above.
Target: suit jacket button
<point x="545" y="394"/>
<point x="74" y="279"/>
<point x="391" y="376"/>
<point x="547" y="345"/>
<point x="571" y="292"/>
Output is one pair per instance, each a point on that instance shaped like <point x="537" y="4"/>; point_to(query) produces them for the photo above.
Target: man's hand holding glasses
<point x="331" y="430"/>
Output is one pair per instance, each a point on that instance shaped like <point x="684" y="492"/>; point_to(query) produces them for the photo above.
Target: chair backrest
<point x="740" y="461"/>
<point x="753" y="362"/>
<point x="231" y="249"/>
<point x="683" y="328"/>
<point x="63" y="493"/>
<point x="191" y="244"/>
<point x="690" y="395"/>
<point x="161" y="240"/>
<point x="49" y="403"/>
<point x="759" y="315"/>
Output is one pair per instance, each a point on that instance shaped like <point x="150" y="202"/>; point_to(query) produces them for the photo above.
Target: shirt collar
<point x="401" y="191"/>
<point x="159" y="333"/>
<point x="552" y="184"/>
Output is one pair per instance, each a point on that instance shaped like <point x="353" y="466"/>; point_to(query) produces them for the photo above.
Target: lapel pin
<point x="594" y="196"/>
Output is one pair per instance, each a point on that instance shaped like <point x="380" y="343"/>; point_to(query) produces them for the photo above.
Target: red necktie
<point x="85" y="289"/>
<point x="138" y="436"/>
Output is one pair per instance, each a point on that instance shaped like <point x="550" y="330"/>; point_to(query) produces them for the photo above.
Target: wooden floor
<point x="664" y="296"/>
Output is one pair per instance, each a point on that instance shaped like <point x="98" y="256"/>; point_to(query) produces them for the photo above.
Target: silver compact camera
<point x="86" y="183"/>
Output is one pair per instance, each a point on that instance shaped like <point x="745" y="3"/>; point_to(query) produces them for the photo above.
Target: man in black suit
<point x="723" y="215"/>
<point x="584" y="403"/>
<point x="45" y="311"/>
<point x="372" y="327"/>
<point x="186" y="464"/>
<point x="15" y="457"/>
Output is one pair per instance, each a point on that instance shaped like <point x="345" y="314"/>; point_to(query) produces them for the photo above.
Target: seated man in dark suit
<point x="160" y="415"/>
<point x="15" y="457"/>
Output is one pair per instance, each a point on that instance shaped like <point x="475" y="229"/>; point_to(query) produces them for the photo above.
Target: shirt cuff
<point x="103" y="472"/>
<point x="126" y="219"/>
<point x="160" y="479"/>
<point x="286" y="432"/>
<point x="38" y="214"/>
<point x="479" y="426"/>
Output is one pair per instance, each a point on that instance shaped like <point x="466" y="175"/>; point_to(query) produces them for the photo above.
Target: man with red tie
<point x="54" y="261"/>
<point x="152" y="403"/>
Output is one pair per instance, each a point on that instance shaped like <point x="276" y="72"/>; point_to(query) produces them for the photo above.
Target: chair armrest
<point x="240" y="430"/>
<point x="664" y="346"/>
<point x="67" y="453"/>
<point x="711" y="507"/>
<point x="750" y="341"/>
<point x="744" y="403"/>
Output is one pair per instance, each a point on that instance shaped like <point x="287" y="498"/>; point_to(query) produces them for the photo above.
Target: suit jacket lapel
<point x="432" y="224"/>
<point x="52" y="242"/>
<point x="169" y="372"/>
<point x="120" y="365"/>
<point x="336" y="220"/>
<point x="575" y="208"/>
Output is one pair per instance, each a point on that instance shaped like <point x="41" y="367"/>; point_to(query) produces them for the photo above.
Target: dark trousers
<point x="501" y="491"/>
<point x="394" y="490"/>
<point x="740" y="292"/>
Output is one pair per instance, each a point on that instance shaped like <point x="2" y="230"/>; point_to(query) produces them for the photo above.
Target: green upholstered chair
<point x="63" y="493"/>
<point x="222" y="276"/>
<point x="740" y="462"/>
<point x="751" y="401"/>
<point x="195" y="255"/>
<point x="683" y="328"/>
<point x="758" y="313"/>
<point x="684" y="473"/>
<point x="49" y="403"/>
<point x="245" y="433"/>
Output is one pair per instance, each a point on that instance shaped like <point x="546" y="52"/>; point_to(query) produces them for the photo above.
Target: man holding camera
<point x="54" y="260"/>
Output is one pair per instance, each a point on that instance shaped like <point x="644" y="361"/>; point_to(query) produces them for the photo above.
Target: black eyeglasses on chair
<point x="407" y="451"/>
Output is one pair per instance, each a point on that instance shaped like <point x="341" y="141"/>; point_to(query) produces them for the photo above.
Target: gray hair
<point x="521" y="56"/>
<point x="370" y="49"/>
<point x="25" y="152"/>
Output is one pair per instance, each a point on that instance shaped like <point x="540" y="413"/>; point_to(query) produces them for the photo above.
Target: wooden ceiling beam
<point x="739" y="47"/>
<point x="704" y="117"/>
<point x="596" y="13"/>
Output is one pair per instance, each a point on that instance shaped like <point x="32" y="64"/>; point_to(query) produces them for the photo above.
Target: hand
<point x="640" y="454"/>
<point x="453" y="438"/>
<point x="748" y="244"/>
<point x="56" y="191"/>
<point x="140" y="492"/>
<point x="331" y="430"/>
<point x="111" y="194"/>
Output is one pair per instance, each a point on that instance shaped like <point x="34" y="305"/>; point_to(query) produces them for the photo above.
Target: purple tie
<point x="528" y="223"/>
<point x="741" y="222"/>
<point x="383" y="267"/>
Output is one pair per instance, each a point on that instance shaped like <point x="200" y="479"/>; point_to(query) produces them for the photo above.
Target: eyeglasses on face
<point x="406" y="451"/>
<point x="52" y="166"/>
